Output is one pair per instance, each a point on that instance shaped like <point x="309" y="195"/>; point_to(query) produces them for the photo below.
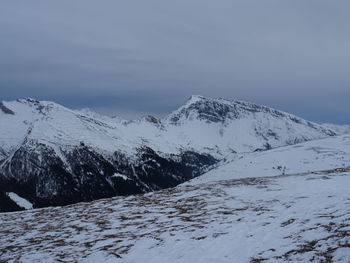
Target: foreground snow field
<point x="296" y="218"/>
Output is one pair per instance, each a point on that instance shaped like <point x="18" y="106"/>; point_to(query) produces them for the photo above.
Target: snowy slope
<point x="53" y="124"/>
<point x="324" y="154"/>
<point x="300" y="218"/>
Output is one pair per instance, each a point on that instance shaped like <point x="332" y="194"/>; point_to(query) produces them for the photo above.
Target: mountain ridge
<point x="51" y="155"/>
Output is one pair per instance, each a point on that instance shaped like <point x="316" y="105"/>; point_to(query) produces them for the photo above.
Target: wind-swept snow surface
<point x="294" y="218"/>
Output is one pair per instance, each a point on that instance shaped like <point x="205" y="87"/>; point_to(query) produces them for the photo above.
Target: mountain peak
<point x="28" y="101"/>
<point x="195" y="98"/>
<point x="151" y="119"/>
<point x="203" y="108"/>
<point x="214" y="110"/>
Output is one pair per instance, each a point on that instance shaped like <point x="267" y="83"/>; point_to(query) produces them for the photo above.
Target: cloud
<point x="149" y="56"/>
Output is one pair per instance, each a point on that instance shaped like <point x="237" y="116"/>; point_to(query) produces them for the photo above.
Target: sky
<point x="136" y="57"/>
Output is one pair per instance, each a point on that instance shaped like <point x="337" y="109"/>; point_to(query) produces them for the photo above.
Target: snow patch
<point x="19" y="200"/>
<point x="124" y="177"/>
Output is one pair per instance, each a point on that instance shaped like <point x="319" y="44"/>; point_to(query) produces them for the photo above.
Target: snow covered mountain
<point x="223" y="126"/>
<point x="51" y="155"/>
<point x="248" y="204"/>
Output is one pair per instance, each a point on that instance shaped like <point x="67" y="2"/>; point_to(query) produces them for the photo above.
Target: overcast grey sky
<point x="136" y="57"/>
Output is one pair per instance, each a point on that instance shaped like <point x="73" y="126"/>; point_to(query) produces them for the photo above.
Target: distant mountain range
<point x="51" y="155"/>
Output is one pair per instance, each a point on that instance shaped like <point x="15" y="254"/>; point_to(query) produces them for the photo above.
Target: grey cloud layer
<point x="148" y="56"/>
